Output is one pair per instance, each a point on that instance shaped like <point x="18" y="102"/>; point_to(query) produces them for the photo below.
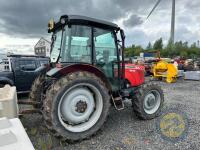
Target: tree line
<point x="171" y="50"/>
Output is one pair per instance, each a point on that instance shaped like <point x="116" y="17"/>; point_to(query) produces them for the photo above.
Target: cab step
<point x="118" y="102"/>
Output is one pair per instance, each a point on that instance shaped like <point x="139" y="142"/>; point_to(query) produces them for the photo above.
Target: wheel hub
<point x="152" y="102"/>
<point x="81" y="106"/>
<point x="77" y="106"/>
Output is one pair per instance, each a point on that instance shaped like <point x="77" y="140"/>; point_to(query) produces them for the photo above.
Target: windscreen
<point x="76" y="44"/>
<point x="72" y="44"/>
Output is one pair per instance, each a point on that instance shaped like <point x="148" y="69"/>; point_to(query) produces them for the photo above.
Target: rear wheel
<point x="148" y="101"/>
<point x="36" y="90"/>
<point x="76" y="106"/>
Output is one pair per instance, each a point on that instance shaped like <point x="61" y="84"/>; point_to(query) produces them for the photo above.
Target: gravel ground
<point x="123" y="130"/>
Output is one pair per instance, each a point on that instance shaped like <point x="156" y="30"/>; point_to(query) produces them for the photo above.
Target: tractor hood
<point x="134" y="74"/>
<point x="134" y="67"/>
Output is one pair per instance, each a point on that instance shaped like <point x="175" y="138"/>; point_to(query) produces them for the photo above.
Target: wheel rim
<point x="152" y="102"/>
<point x="80" y="107"/>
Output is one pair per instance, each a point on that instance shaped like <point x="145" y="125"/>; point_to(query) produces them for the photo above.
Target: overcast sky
<point x="23" y="22"/>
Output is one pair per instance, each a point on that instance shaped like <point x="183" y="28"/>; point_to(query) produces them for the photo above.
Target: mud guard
<point x="59" y="72"/>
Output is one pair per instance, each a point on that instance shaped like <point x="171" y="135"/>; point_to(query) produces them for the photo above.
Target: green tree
<point x="133" y="51"/>
<point x="149" y="46"/>
<point x="170" y="45"/>
<point x="171" y="50"/>
<point x="194" y="45"/>
<point x="158" y="45"/>
<point x="137" y="50"/>
<point x="184" y="54"/>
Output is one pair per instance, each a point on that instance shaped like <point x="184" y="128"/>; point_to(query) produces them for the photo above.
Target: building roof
<point x="42" y="39"/>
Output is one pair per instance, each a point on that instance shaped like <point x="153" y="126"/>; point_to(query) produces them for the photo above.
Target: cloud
<point x="27" y="19"/>
<point x="133" y="21"/>
<point x="3" y="51"/>
<point x="16" y="44"/>
<point x="137" y="36"/>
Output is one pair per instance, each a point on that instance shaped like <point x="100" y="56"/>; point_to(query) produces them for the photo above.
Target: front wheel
<point x="148" y="101"/>
<point x="76" y="106"/>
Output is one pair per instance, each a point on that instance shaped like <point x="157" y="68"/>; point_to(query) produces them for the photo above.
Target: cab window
<point x="106" y="55"/>
<point x="77" y="44"/>
<point x="105" y="47"/>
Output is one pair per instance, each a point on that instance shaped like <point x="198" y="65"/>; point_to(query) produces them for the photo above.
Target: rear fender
<point x="60" y="72"/>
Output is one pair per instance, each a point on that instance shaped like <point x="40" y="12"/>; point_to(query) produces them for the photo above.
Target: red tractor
<point x="87" y="75"/>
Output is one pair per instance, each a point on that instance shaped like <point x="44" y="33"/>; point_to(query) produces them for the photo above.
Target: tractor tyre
<point x="36" y="90"/>
<point x="76" y="106"/>
<point x="148" y="101"/>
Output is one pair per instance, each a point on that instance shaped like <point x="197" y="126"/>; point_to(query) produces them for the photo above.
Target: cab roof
<point x="83" y="20"/>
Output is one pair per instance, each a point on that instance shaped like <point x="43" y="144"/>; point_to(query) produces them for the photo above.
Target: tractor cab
<point x="89" y="42"/>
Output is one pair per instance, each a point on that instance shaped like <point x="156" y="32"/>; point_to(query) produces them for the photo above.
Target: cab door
<point x="106" y="55"/>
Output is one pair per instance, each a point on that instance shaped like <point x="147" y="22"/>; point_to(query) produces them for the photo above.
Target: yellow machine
<point x="162" y="69"/>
